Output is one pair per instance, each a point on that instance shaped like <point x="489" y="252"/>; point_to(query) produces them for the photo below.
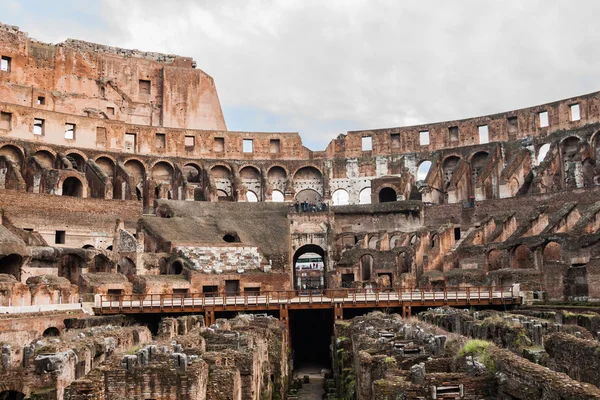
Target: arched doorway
<point x="176" y="268"/>
<point x="523" y="258"/>
<point x="72" y="187"/>
<point x="11" y="395"/>
<point x="387" y="195"/>
<point x="11" y="265"/>
<point x="309" y="196"/>
<point x="309" y="268"/>
<point x="100" y="263"/>
<point x="70" y="267"/>
<point x="51" y="332"/>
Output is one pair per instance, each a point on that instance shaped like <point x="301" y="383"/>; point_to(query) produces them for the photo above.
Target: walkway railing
<point x="296" y="299"/>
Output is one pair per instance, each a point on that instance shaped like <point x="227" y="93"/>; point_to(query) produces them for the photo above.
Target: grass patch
<point x="478" y="349"/>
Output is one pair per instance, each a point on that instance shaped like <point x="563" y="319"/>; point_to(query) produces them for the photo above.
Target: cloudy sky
<point x="323" y="67"/>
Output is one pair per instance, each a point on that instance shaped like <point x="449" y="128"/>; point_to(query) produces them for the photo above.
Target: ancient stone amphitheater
<point x="148" y="253"/>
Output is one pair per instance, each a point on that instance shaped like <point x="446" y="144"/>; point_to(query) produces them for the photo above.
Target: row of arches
<point x="522" y="257"/>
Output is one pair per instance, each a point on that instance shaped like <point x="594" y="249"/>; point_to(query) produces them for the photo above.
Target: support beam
<point x="209" y="317"/>
<point x="338" y="311"/>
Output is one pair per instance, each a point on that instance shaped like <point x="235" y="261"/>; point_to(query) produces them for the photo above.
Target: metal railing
<point x="303" y="298"/>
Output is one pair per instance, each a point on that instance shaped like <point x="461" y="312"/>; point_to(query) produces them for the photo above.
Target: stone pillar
<point x="417" y="374"/>
<point x="537" y="335"/>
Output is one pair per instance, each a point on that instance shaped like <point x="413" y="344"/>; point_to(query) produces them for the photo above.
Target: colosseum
<point x="148" y="253"/>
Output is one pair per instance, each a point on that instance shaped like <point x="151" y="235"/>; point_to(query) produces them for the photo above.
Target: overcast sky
<point x="324" y="67"/>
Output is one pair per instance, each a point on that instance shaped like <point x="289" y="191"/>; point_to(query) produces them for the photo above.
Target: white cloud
<point x="371" y="63"/>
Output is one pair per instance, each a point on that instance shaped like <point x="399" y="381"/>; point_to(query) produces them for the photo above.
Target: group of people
<point x="310" y="207"/>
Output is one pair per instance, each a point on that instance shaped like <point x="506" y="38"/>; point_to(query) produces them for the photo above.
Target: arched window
<point x="542" y="153"/>
<point x="340" y="197"/>
<point x="251" y="197"/>
<point x="365" y="196"/>
<point x="423" y="170"/>
<point x="277" y="197"/>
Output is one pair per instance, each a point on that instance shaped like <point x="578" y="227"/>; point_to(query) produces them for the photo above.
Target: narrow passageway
<point x="314" y="389"/>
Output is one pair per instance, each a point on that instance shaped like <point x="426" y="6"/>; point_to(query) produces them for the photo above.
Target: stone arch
<point x="176" y="268"/>
<point x="340" y="197"/>
<point x="434" y="241"/>
<point x="160" y="161"/>
<point x="51" y="332"/>
<point x="192" y="172"/>
<point x="162" y="172"/>
<point x="308" y="177"/>
<point x="366" y="267"/>
<point x="162" y="175"/>
<point x="107" y="165"/>
<point x="73" y="186"/>
<point x="251" y="197"/>
<point x="552" y="252"/>
<point x="423" y="170"/>
<point x="478" y="162"/>
<point x="308" y="195"/>
<point x="543" y="150"/>
<point x="104" y="155"/>
<point x="221" y="177"/>
<point x="494" y="260"/>
<point x="135" y="168"/>
<point x="523" y="257"/>
<point x="364" y="196"/>
<point x="277" y="196"/>
<point x="15" y="153"/>
<point x="70" y="267"/>
<point x="137" y="173"/>
<point x="45" y="158"/>
<point x="277" y="181"/>
<point x="594" y="144"/>
<point x="372" y="244"/>
<point x="448" y="167"/>
<point x="395" y="241"/>
<point x="403" y="262"/>
<point x="126" y="267"/>
<point x="11" y="265"/>
<point x="309" y="277"/>
<point x="252" y="181"/>
<point x="77" y="160"/>
<point x="100" y="263"/>
<point x="277" y="173"/>
<point x="387" y="194"/>
<point x="571" y="149"/>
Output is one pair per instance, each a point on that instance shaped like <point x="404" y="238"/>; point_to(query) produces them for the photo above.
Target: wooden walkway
<point x="336" y="299"/>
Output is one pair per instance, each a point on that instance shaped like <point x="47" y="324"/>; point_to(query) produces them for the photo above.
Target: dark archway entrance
<point x="387" y="195"/>
<point x="311" y="332"/>
<point x="11" y="265"/>
<point x="11" y="395"/>
<point x="309" y="267"/>
<point x="51" y="332"/>
<point x="72" y="187"/>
